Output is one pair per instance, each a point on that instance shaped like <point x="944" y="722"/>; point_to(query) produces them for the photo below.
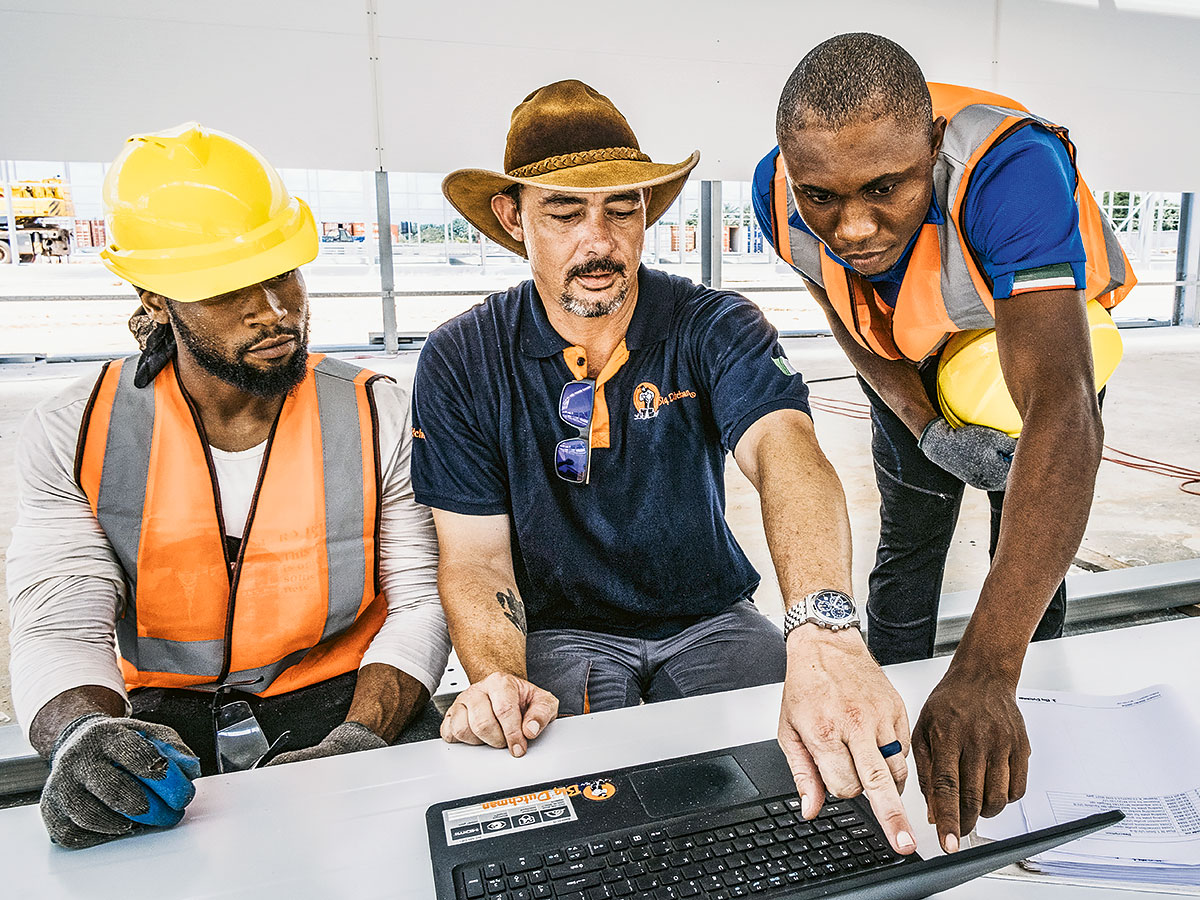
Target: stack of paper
<point x="1136" y="753"/>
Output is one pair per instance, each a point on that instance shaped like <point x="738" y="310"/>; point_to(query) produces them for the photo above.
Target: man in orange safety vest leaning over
<point x="236" y="510"/>
<point x="915" y="212"/>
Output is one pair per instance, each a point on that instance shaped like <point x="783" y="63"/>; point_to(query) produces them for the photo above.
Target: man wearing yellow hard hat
<point x="235" y="511"/>
<point x="917" y="213"/>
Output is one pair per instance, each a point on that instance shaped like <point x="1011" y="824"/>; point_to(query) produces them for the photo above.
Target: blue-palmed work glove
<point x="111" y="776"/>
<point x="976" y="454"/>
<point x="349" y="737"/>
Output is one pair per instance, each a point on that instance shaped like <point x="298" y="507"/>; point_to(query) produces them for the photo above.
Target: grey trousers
<point x="590" y="671"/>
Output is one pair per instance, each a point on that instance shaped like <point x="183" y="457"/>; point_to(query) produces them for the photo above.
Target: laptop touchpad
<point x="692" y="786"/>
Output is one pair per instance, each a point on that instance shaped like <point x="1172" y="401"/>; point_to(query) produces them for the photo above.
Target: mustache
<point x="601" y="265"/>
<point x="296" y="333"/>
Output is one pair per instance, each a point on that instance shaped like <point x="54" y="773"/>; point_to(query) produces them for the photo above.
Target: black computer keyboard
<point x="755" y="849"/>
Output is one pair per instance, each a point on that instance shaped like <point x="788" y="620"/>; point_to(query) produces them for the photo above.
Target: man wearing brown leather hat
<point x="571" y="435"/>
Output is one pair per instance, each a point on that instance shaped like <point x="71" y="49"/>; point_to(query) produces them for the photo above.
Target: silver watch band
<point x="802" y="613"/>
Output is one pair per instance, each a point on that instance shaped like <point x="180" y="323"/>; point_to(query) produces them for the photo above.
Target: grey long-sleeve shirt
<point x="65" y="586"/>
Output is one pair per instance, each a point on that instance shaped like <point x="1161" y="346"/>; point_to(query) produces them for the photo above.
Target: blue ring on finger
<point x="890" y="749"/>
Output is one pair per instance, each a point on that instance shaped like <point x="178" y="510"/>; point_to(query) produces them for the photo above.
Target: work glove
<point x="111" y="776"/>
<point x="349" y="737"/>
<point x="978" y="455"/>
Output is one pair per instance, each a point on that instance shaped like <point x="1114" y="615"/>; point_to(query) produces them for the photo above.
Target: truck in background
<point x="34" y="203"/>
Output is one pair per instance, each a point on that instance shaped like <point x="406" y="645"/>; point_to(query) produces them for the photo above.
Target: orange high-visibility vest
<point x="301" y="602"/>
<point x="945" y="289"/>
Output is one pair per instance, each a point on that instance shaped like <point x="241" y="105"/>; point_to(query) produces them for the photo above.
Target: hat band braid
<point x="583" y="157"/>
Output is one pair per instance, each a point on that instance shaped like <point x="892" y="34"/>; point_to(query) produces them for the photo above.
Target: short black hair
<point x="850" y="77"/>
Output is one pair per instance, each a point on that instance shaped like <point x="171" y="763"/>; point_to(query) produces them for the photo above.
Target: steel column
<point x="1187" y="264"/>
<point x="10" y="174"/>
<point x="710" y="233"/>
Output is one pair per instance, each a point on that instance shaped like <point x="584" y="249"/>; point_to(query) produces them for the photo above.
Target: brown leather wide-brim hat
<point x="566" y="135"/>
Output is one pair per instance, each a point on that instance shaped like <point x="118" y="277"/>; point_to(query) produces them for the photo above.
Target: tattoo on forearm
<point x="514" y="609"/>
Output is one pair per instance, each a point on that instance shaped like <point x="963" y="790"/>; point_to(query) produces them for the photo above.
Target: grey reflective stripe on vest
<point x="121" y="495"/>
<point x="342" y="453"/>
<point x="806" y="249"/>
<point x="121" y="499"/>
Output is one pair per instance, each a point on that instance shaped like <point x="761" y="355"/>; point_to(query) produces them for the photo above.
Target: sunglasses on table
<point x="573" y="456"/>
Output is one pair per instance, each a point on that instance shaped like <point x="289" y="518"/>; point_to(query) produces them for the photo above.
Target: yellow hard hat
<point x="971" y="388"/>
<point x="193" y="213"/>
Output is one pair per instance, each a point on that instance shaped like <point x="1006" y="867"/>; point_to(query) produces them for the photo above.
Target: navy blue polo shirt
<point x="643" y="548"/>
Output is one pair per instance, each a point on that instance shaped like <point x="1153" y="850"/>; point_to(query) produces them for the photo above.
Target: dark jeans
<point x="590" y="671"/>
<point x="309" y="713"/>
<point x="918" y="509"/>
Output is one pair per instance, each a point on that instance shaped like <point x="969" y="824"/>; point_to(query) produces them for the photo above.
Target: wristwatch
<point x="834" y="610"/>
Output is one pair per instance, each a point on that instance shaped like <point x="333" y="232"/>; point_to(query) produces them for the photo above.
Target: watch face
<point x="833" y="606"/>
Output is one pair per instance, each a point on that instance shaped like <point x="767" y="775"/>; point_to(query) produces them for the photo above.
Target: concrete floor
<point x="1137" y="519"/>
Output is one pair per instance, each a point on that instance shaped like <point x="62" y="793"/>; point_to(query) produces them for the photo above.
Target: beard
<point x="594" y="308"/>
<point x="233" y="368"/>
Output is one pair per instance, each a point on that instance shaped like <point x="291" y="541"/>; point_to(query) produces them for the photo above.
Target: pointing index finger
<point x="881" y="792"/>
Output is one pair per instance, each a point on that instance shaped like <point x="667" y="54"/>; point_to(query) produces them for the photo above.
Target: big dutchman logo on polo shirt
<point x="647" y="399"/>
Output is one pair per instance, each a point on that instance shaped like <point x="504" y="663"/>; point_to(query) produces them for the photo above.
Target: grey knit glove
<point x="349" y="737"/>
<point x="978" y="455"/>
<point x="110" y="775"/>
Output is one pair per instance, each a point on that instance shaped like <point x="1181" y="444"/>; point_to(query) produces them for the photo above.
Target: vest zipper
<point x="233" y="569"/>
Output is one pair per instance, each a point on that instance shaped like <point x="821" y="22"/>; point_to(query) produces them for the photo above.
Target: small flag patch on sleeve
<point x="1044" y="278"/>
<point x="784" y="365"/>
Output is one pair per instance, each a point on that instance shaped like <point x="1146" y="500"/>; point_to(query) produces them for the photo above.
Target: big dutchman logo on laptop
<point x="647" y="399"/>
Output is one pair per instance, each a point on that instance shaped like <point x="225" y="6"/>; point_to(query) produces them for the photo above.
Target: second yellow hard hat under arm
<point x="193" y="213"/>
<point x="970" y="385"/>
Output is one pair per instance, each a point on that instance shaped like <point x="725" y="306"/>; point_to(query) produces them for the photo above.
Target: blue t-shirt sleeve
<point x="454" y="466"/>
<point x="745" y="371"/>
<point x="760" y="193"/>
<point x="1020" y="212"/>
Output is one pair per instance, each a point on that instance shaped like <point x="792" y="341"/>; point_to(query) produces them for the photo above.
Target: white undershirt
<point x="237" y="477"/>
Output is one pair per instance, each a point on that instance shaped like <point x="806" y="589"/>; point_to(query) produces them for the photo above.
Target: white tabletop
<point x="354" y="826"/>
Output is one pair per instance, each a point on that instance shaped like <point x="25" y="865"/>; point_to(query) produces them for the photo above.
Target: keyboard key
<point x="578" y="882"/>
<point x="656" y="834"/>
<point x="823" y="825"/>
<point x="537" y="876"/>
<point x="598" y="848"/>
<point x="516" y="881"/>
<point x="541" y="891"/>
<point x="689" y="889"/>
<point x="876" y="843"/>
<point x="523" y="863"/>
<point x="618" y="843"/>
<point x="792" y="803"/>
<point x="764" y="824"/>
<point x="745" y="830"/>
<point x="598" y="893"/>
<point x="622" y="888"/>
<point x="860" y="831"/>
<point x="495" y="885"/>
<point x="846" y="820"/>
<point x="554" y="858"/>
<point x="522" y="894"/>
<point x="763" y="840"/>
<point x="778" y="852"/>
<point x="473" y="887"/>
<point x="492" y="870"/>
<point x="575" y="868"/>
<point x="574" y="853"/>
<point x="776" y="808"/>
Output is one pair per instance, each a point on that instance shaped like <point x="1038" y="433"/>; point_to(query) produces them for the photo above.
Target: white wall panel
<point x="292" y="76"/>
<point x="78" y="77"/>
